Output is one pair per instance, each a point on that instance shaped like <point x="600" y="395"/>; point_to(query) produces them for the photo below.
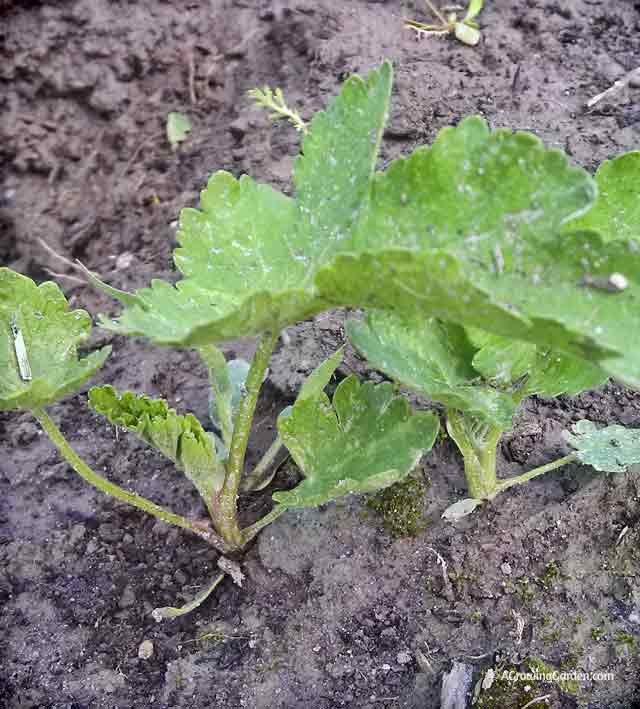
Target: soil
<point x="334" y="612"/>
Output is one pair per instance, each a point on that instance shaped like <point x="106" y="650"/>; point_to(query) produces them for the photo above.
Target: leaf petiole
<point x="226" y="507"/>
<point x="131" y="498"/>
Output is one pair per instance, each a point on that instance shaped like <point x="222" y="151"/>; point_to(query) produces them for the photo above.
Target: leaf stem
<point x="525" y="477"/>
<point x="478" y="444"/>
<point x="436" y="12"/>
<point x="257" y="478"/>
<point x="226" y="514"/>
<point x="250" y="532"/>
<point x="131" y="498"/>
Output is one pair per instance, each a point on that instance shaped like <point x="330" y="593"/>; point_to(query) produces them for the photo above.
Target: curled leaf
<point x="181" y="438"/>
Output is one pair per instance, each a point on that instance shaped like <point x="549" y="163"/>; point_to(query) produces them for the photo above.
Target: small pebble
<point x="145" y="651"/>
<point x="404" y="657"/>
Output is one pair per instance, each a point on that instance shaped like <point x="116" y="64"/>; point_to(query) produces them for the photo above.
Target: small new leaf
<point x="181" y="438"/>
<point x="611" y="449"/>
<point x="367" y="439"/>
<point x="178" y="128"/>
<point x="227" y="381"/>
<point x="39" y="337"/>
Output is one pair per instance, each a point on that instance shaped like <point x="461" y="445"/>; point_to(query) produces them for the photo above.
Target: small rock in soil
<point x="128" y="598"/>
<point x="24" y="433"/>
<point x="145" y="651"/>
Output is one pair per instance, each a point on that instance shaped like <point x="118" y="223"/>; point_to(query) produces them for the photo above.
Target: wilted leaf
<point x="466" y="33"/>
<point x="50" y="334"/>
<point x="250" y="254"/>
<point x="611" y="449"/>
<point x="181" y="438"/>
<point x="616" y="213"/>
<point x="160" y="614"/>
<point x="460" y="509"/>
<point x="366" y="440"/>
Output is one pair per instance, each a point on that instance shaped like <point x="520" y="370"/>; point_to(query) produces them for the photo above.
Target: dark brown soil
<point x="334" y="613"/>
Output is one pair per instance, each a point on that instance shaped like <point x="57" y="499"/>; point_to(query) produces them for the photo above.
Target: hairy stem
<point x="250" y="532"/>
<point x="85" y="472"/>
<point x="478" y="444"/>
<point x="226" y="504"/>
<point x="525" y="477"/>
<point x="258" y="478"/>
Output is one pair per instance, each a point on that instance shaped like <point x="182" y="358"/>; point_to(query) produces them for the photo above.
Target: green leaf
<point x="180" y="438"/>
<point x="50" y="334"/>
<point x="504" y="362"/>
<point x="482" y="375"/>
<point x="616" y="213"/>
<point x="366" y="440"/>
<point x="123" y="296"/>
<point x="432" y="358"/>
<point x="611" y="449"/>
<point x="227" y="381"/>
<point x="250" y="254"/>
<point x="315" y="383"/>
<point x="473" y="232"/>
<point x="473" y="9"/>
<point x="178" y="128"/>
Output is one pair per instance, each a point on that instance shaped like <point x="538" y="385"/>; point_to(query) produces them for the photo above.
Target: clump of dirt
<point x="335" y="613"/>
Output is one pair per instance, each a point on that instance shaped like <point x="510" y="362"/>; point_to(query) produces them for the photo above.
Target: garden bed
<point x="334" y="612"/>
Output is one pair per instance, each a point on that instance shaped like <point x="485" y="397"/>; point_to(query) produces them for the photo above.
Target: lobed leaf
<point x="536" y="370"/>
<point x="611" y="449"/>
<point x="432" y="358"/>
<point x="315" y="383"/>
<point x="474" y="234"/>
<point x="249" y="254"/>
<point x="367" y="439"/>
<point x="51" y="335"/>
<point x="482" y="375"/>
<point x="180" y="438"/>
<point x="616" y="213"/>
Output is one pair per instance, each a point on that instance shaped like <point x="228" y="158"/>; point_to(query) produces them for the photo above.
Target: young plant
<point x="465" y="30"/>
<point x="481" y="378"/>
<point x="478" y="231"/>
<point x="249" y="257"/>
<point x="274" y="102"/>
